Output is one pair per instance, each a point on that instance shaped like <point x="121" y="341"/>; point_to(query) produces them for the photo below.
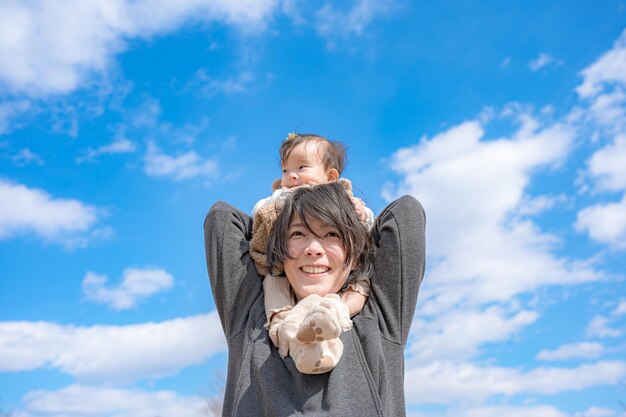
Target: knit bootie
<point x="325" y="320"/>
<point x="309" y="332"/>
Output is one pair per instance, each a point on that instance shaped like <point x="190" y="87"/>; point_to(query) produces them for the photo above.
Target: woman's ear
<point x="354" y="265"/>
<point x="332" y="175"/>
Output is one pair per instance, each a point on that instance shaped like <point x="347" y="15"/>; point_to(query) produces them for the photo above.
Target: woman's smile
<point x="314" y="269"/>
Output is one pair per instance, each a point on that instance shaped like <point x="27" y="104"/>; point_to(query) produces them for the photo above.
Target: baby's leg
<point x="354" y="301"/>
<point x="325" y="321"/>
<point x="356" y="295"/>
<point x="278" y="296"/>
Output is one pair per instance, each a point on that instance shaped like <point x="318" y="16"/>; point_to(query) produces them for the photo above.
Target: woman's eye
<point x="332" y="234"/>
<point x="296" y="233"/>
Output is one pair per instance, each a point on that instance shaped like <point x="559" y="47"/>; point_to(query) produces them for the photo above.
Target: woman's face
<point x="318" y="264"/>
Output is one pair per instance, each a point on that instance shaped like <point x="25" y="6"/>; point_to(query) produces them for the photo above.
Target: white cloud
<point x="607" y="167"/>
<point x="331" y="22"/>
<point x="484" y="252"/>
<point x="211" y="86"/>
<point x="620" y="310"/>
<point x="186" y="166"/>
<point x="599" y="326"/>
<point x="459" y="334"/>
<point x="481" y="248"/>
<point x="451" y="382"/>
<point x="585" y="350"/>
<point x="55" y="45"/>
<point x="25" y="210"/>
<point x="10" y="110"/>
<point x="536" y="205"/>
<point x="535" y="410"/>
<point x="90" y="401"/>
<point x="541" y="61"/>
<point x="609" y="68"/>
<point x="118" y="146"/>
<point x="111" y="353"/>
<point x="508" y="411"/>
<point x="147" y="114"/>
<point x="605" y="223"/>
<point x="26" y="157"/>
<point x="603" y="84"/>
<point x="137" y="284"/>
<point x="597" y="412"/>
<point x="607" y="111"/>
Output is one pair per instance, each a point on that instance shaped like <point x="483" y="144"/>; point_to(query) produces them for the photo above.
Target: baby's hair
<point x="334" y="153"/>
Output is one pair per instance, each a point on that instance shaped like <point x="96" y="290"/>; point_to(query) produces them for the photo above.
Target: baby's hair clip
<point x="291" y="136"/>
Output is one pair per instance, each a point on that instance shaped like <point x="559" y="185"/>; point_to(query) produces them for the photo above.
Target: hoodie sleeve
<point x="399" y="265"/>
<point x="234" y="280"/>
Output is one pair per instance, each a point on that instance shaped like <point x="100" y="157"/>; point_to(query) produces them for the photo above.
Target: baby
<point x="309" y="330"/>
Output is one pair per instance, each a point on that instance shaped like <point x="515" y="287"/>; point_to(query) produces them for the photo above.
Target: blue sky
<point x="122" y="122"/>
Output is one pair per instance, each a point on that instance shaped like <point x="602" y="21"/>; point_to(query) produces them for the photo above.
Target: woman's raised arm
<point x="234" y="280"/>
<point x="399" y="264"/>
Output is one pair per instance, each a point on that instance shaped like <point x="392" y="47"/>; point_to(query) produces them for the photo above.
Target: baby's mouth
<point x="314" y="269"/>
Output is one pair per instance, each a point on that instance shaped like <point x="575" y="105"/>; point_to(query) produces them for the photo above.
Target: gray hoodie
<point x="369" y="379"/>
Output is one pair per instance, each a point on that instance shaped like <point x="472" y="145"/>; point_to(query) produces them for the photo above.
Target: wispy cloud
<point x="26" y="157"/>
<point x="331" y="21"/>
<point x="25" y="211"/>
<point x="585" y="350"/>
<point x="148" y="350"/>
<point x="186" y="166"/>
<point x="118" y="146"/>
<point x="543" y="60"/>
<point x="210" y="86"/>
<point x="600" y="327"/>
<point x="11" y="110"/>
<point x="620" y="310"/>
<point x="137" y="284"/>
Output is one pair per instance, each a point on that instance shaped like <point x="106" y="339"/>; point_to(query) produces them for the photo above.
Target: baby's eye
<point x="303" y="166"/>
<point x="284" y="171"/>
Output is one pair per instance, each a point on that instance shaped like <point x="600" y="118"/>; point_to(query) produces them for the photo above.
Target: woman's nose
<point x="314" y="248"/>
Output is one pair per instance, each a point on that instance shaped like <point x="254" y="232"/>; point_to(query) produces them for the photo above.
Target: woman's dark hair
<point x="333" y="153"/>
<point x="331" y="205"/>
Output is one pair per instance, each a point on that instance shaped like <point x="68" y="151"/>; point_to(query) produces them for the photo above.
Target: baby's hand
<point x="359" y="206"/>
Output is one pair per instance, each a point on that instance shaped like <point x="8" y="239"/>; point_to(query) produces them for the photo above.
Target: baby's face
<point x="305" y="166"/>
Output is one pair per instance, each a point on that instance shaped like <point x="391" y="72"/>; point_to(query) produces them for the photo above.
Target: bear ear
<point x="346" y="184"/>
<point x="276" y="185"/>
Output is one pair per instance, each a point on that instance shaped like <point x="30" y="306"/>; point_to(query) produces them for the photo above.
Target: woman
<point x="317" y="241"/>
